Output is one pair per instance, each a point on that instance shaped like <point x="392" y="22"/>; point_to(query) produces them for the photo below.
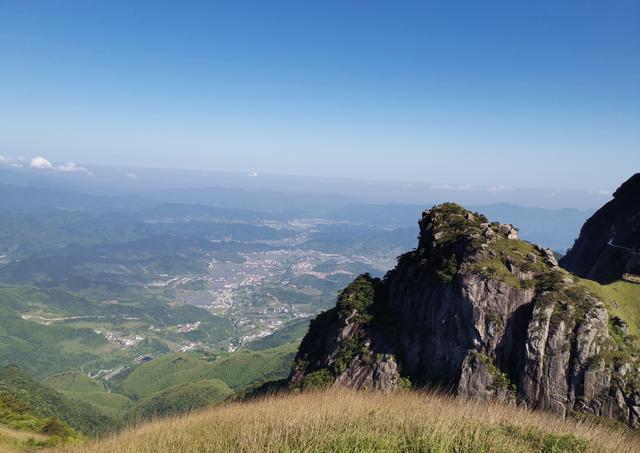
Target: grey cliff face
<point x="609" y="243"/>
<point x="478" y="312"/>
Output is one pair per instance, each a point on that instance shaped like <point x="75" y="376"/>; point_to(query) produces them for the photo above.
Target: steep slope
<point x="181" y="399"/>
<point x="45" y="402"/>
<point x="476" y="310"/>
<point x="40" y="349"/>
<point x="20" y="429"/>
<point x="237" y="370"/>
<point x="77" y="386"/>
<point x="291" y="332"/>
<point x="609" y="242"/>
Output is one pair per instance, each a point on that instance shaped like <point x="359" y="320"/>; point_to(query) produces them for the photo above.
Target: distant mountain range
<point x="105" y="180"/>
<point x="554" y="228"/>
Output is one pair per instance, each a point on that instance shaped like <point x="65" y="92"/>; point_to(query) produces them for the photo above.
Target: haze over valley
<point x="217" y="276"/>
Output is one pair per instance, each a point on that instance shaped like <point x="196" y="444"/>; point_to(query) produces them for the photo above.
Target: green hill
<point x="237" y="370"/>
<point x="83" y="388"/>
<point x="37" y="348"/>
<point x="49" y="330"/>
<point x="622" y="300"/>
<point x="171" y="384"/>
<point x="46" y="402"/>
<point x="161" y="373"/>
<point x="244" y="368"/>
<point x="291" y="332"/>
<point x="181" y="399"/>
<point x="20" y="429"/>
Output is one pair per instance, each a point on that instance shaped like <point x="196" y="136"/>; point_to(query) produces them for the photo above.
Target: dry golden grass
<point x="14" y="441"/>
<point x="346" y="421"/>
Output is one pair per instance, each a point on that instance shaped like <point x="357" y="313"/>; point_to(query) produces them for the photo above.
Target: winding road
<point x="611" y="244"/>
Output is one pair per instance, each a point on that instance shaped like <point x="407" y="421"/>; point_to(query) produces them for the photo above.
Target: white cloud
<point x="470" y="188"/>
<point x="131" y="176"/>
<point x="463" y="187"/>
<point x="70" y="167"/>
<point x="41" y="163"/>
<point x="10" y="162"/>
<point x="604" y="193"/>
<point x="500" y="188"/>
<point x="252" y="174"/>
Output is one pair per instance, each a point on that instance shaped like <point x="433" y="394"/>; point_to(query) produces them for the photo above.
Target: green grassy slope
<point x="622" y="300"/>
<point x="237" y="370"/>
<point x="181" y="399"/>
<point x="46" y="402"/>
<point x="244" y="368"/>
<point x="83" y="388"/>
<point x="39" y="348"/>
<point x="171" y="384"/>
<point x="48" y="330"/>
<point x="20" y="429"/>
<point x="164" y="372"/>
<point x="291" y="332"/>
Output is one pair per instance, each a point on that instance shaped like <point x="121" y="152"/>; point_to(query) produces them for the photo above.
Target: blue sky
<point x="527" y="94"/>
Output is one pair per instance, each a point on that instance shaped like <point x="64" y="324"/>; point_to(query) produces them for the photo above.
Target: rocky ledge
<point x="478" y="312"/>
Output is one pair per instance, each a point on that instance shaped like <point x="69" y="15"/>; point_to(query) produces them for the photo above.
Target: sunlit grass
<point x="622" y="299"/>
<point x="346" y="421"/>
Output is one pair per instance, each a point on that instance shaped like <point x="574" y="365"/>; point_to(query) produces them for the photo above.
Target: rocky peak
<point x="609" y="243"/>
<point x="475" y="310"/>
<point x="449" y="226"/>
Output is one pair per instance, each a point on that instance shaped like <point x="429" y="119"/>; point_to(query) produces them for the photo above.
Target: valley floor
<point x="343" y="421"/>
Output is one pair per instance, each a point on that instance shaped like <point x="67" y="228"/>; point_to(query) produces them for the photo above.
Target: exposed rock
<point x="509" y="231"/>
<point x="548" y="256"/>
<point x="488" y="232"/>
<point x="483" y="315"/>
<point x="372" y="373"/>
<point x="341" y="343"/>
<point x="609" y="242"/>
<point x="480" y="379"/>
<point x="620" y="324"/>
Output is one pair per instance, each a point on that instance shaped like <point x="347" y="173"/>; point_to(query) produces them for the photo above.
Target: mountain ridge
<point x="609" y="243"/>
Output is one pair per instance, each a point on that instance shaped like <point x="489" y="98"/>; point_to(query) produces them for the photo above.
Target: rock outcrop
<point x="346" y="347"/>
<point x="478" y="312"/>
<point x="609" y="243"/>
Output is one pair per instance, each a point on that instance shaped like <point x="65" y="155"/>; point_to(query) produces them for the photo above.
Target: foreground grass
<point x="13" y="440"/>
<point x="342" y="421"/>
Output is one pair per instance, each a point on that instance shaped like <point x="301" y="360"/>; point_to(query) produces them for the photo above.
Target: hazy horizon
<point x="120" y="180"/>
